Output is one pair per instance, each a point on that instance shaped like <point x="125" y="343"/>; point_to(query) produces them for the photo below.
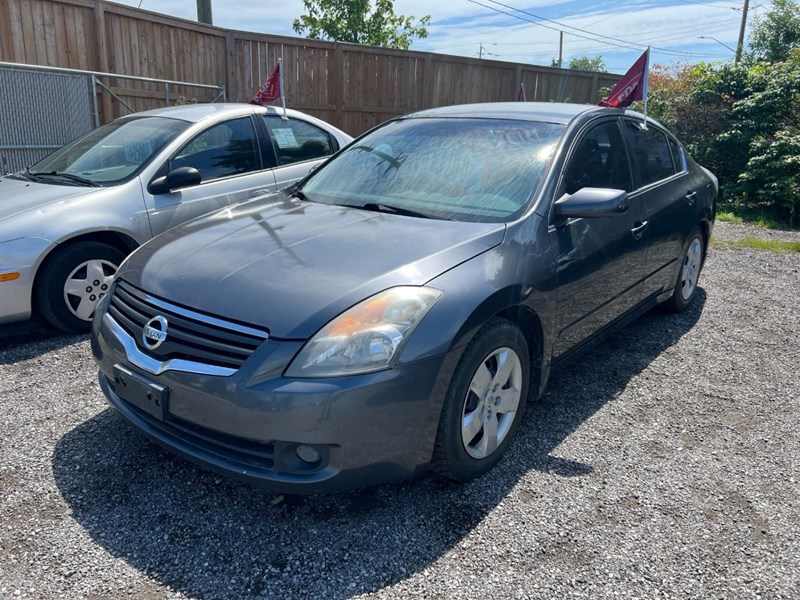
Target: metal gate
<point x="39" y="112"/>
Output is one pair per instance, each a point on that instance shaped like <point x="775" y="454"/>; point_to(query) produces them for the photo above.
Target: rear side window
<point x="651" y="153"/>
<point x="223" y="150"/>
<point x="677" y="155"/>
<point x="296" y="141"/>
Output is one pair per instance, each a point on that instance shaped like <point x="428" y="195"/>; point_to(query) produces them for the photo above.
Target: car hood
<point x="18" y="196"/>
<point x="292" y="266"/>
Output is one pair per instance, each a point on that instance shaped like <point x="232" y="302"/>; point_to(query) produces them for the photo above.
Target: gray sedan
<point x="395" y="310"/>
<point x="68" y="222"/>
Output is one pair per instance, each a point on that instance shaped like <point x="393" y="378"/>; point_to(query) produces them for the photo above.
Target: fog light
<point x="308" y="454"/>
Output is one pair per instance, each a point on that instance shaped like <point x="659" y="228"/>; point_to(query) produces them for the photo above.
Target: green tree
<point x="358" y="22"/>
<point x="584" y="63"/>
<point x="775" y="33"/>
<point x="766" y="125"/>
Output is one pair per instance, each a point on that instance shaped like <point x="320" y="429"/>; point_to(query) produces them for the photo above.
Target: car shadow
<point x="207" y="536"/>
<point x="32" y="338"/>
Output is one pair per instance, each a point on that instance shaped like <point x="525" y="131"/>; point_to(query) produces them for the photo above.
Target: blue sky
<point x="671" y="27"/>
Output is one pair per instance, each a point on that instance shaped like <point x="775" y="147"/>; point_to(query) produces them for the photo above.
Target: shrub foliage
<point x="743" y="121"/>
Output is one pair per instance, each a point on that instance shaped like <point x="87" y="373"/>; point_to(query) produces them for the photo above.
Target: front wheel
<point x="72" y="281"/>
<point x="689" y="274"/>
<point x="484" y="403"/>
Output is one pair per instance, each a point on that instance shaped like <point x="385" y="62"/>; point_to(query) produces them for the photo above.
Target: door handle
<point x="690" y="196"/>
<point x="639" y="229"/>
<point x="257" y="193"/>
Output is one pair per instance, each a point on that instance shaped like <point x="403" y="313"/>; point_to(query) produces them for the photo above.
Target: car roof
<point x="552" y="112"/>
<point x="195" y="113"/>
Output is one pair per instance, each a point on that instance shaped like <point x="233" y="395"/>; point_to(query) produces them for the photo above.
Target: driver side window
<point x="599" y="160"/>
<point x="223" y="150"/>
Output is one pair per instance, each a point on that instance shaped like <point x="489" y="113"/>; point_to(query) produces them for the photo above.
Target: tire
<point x="72" y="281"/>
<point x="464" y="449"/>
<point x="689" y="273"/>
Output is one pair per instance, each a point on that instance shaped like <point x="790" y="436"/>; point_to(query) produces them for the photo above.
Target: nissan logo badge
<point x="154" y="332"/>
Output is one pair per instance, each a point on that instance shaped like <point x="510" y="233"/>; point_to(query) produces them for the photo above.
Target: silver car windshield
<point x="109" y="154"/>
<point x="457" y="169"/>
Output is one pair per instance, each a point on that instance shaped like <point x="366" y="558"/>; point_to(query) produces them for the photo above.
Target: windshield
<point x="461" y="169"/>
<point x="111" y="153"/>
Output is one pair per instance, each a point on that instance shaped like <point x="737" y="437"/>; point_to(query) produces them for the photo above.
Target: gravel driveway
<point x="664" y="463"/>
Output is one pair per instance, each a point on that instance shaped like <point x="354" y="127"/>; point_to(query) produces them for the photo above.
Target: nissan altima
<point x="394" y="311"/>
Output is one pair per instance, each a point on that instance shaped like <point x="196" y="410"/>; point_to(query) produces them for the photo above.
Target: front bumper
<point x="20" y="256"/>
<point x="367" y="429"/>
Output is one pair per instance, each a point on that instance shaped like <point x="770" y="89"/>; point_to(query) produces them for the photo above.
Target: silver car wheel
<point x="690" y="271"/>
<point x="491" y="403"/>
<point x="86" y="285"/>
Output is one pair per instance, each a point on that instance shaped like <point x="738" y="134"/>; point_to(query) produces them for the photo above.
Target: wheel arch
<point x="116" y="239"/>
<point x="530" y="324"/>
<point x="705" y="230"/>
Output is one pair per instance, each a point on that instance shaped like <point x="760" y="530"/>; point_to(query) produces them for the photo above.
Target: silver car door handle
<point x="690" y="195"/>
<point x="639" y="230"/>
<point x="256" y="193"/>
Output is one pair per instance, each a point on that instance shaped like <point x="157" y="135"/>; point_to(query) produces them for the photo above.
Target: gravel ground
<point x="663" y="464"/>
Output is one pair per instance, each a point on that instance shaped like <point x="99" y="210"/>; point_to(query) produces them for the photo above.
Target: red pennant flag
<point x="632" y="86"/>
<point x="521" y="94"/>
<point x="272" y="88"/>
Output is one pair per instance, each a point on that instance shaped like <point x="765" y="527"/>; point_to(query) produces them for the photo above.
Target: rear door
<point x="601" y="260"/>
<point x="230" y="162"/>
<point x="668" y="197"/>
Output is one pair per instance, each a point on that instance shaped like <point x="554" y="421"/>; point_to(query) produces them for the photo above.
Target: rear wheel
<point x="72" y="281"/>
<point x="689" y="274"/>
<point x="485" y="402"/>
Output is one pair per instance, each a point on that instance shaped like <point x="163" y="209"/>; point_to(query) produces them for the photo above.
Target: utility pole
<point x="561" y="48"/>
<point x="480" y="52"/>
<point x="204" y="12"/>
<point x="740" y="45"/>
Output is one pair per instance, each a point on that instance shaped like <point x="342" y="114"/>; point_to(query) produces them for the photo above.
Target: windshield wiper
<point x="24" y="175"/>
<point x="300" y="195"/>
<point x="397" y="210"/>
<point x="69" y="176"/>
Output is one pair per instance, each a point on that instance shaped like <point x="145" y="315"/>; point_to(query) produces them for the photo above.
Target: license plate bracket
<point x="141" y="392"/>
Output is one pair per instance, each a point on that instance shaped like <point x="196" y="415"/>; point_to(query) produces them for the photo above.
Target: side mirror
<point x="592" y="202"/>
<point x="177" y="178"/>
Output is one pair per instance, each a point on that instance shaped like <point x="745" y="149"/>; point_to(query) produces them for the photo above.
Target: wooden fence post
<point x="427" y="83"/>
<point x="231" y="67"/>
<point x="339" y="81"/>
<point x="101" y="62"/>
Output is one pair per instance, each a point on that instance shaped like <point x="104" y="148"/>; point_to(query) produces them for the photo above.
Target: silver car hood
<point x="18" y="196"/>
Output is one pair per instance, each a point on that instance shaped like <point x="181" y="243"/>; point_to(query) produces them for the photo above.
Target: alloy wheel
<point x="690" y="271"/>
<point x="86" y="285"/>
<point x="491" y="403"/>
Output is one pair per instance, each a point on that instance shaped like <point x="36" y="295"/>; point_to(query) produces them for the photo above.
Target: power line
<point x="620" y="42"/>
<point x="684" y="33"/>
<point x="629" y="47"/>
<point x="710" y="5"/>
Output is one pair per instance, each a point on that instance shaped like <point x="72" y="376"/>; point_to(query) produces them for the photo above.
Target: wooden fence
<point x="351" y="86"/>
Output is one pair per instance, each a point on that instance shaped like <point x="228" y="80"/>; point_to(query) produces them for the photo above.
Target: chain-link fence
<point x="39" y="112"/>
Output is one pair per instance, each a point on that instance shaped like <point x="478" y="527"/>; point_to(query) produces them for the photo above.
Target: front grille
<point x="190" y="336"/>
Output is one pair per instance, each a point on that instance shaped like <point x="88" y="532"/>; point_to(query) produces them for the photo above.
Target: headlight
<point x="367" y="337"/>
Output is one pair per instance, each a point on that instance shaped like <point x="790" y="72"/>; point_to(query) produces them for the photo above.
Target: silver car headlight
<point x="367" y="337"/>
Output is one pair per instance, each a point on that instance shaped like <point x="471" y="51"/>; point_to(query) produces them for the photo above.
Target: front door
<point x="228" y="158"/>
<point x="600" y="260"/>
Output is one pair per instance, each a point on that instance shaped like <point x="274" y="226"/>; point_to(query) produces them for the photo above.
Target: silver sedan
<point x="68" y="222"/>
